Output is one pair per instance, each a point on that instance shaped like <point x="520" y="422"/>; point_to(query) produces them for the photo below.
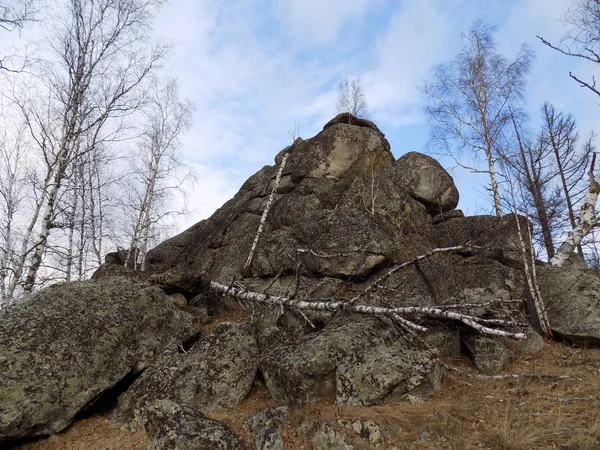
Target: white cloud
<point x="318" y="21"/>
<point x="252" y="78"/>
<point x="416" y="38"/>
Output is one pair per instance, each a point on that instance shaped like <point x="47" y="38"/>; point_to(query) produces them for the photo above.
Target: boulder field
<point x="347" y="223"/>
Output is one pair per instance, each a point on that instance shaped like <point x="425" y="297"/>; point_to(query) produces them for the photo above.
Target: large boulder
<point x="426" y="180"/>
<point x="174" y="427"/>
<point x="267" y="427"/>
<point x="67" y="344"/>
<point x="217" y="372"/>
<point x="386" y="374"/>
<point x="362" y="359"/>
<point x="572" y="297"/>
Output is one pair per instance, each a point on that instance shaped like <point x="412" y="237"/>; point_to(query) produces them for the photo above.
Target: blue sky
<point x="253" y="68"/>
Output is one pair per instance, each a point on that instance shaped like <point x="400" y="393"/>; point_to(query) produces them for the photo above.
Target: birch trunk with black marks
<point x="477" y="323"/>
<point x="247" y="269"/>
<point x="587" y="220"/>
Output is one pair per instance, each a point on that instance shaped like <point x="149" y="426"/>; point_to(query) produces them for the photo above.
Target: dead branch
<point x="418" y="311"/>
<point x="507" y="376"/>
<point x="376" y="284"/>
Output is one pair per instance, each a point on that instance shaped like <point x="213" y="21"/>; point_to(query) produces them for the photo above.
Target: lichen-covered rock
<point x="339" y="151"/>
<point x="326" y="437"/>
<point x="386" y="374"/>
<point x="175" y="427"/>
<point x="572" y="297"/>
<point x="67" y="344"/>
<point x="217" y="372"/>
<point x="267" y="427"/>
<point x="340" y="210"/>
<point x="427" y="181"/>
<point x="361" y="359"/>
<point x="445" y="340"/>
<point x="488" y="354"/>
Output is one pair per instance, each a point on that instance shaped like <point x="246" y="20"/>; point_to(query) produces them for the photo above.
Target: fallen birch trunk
<point x="421" y="311"/>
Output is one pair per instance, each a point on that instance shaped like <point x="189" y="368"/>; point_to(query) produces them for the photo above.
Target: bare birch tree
<point x="351" y="98"/>
<point x="469" y="100"/>
<point x="13" y="185"/>
<point x="156" y="166"/>
<point x="101" y="61"/>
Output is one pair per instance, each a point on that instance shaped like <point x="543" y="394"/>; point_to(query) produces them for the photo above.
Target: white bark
<point x="319" y="305"/>
<point x="263" y="219"/>
<point x="531" y="279"/>
<point x="587" y="220"/>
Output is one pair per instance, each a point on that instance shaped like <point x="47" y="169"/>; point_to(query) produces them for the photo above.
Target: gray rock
<point x="349" y="119"/>
<point x="217" y="372"/>
<point x="328" y="438"/>
<point x="174" y="427"/>
<point x="387" y="374"/>
<point x="532" y="344"/>
<point x="446" y="341"/>
<point x="455" y="214"/>
<point x="67" y="344"/>
<point x="427" y="181"/>
<point x="304" y="371"/>
<point x="267" y="427"/>
<point x="488" y="354"/>
<point x="572" y="298"/>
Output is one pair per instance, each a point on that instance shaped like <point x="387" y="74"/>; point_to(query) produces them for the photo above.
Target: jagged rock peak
<point x="340" y="192"/>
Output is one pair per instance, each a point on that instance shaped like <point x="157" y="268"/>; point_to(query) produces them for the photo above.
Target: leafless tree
<point x="469" y="100"/>
<point x="13" y="184"/>
<point x="549" y="168"/>
<point x="156" y="167"/>
<point x="351" y="98"/>
<point x="534" y="172"/>
<point x="13" y="15"/>
<point x="587" y="218"/>
<point x="583" y="40"/>
<point x="560" y="136"/>
<point x="96" y="78"/>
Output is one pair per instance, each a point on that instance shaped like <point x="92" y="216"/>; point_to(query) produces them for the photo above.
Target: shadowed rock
<point x="67" y="344"/>
<point x="217" y="372"/>
<point x="173" y="427"/>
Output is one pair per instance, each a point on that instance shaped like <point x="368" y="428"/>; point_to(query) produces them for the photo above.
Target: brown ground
<point x="467" y="413"/>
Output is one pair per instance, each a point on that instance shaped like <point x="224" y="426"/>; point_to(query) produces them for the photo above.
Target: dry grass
<point x="93" y="433"/>
<point x="467" y="413"/>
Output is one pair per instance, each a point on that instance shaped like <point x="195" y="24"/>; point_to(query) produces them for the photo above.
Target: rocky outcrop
<point x="342" y="195"/>
<point x="173" y="427"/>
<point x="572" y="297"/>
<point x="67" y="344"/>
<point x="344" y="212"/>
<point x="217" y="372"/>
